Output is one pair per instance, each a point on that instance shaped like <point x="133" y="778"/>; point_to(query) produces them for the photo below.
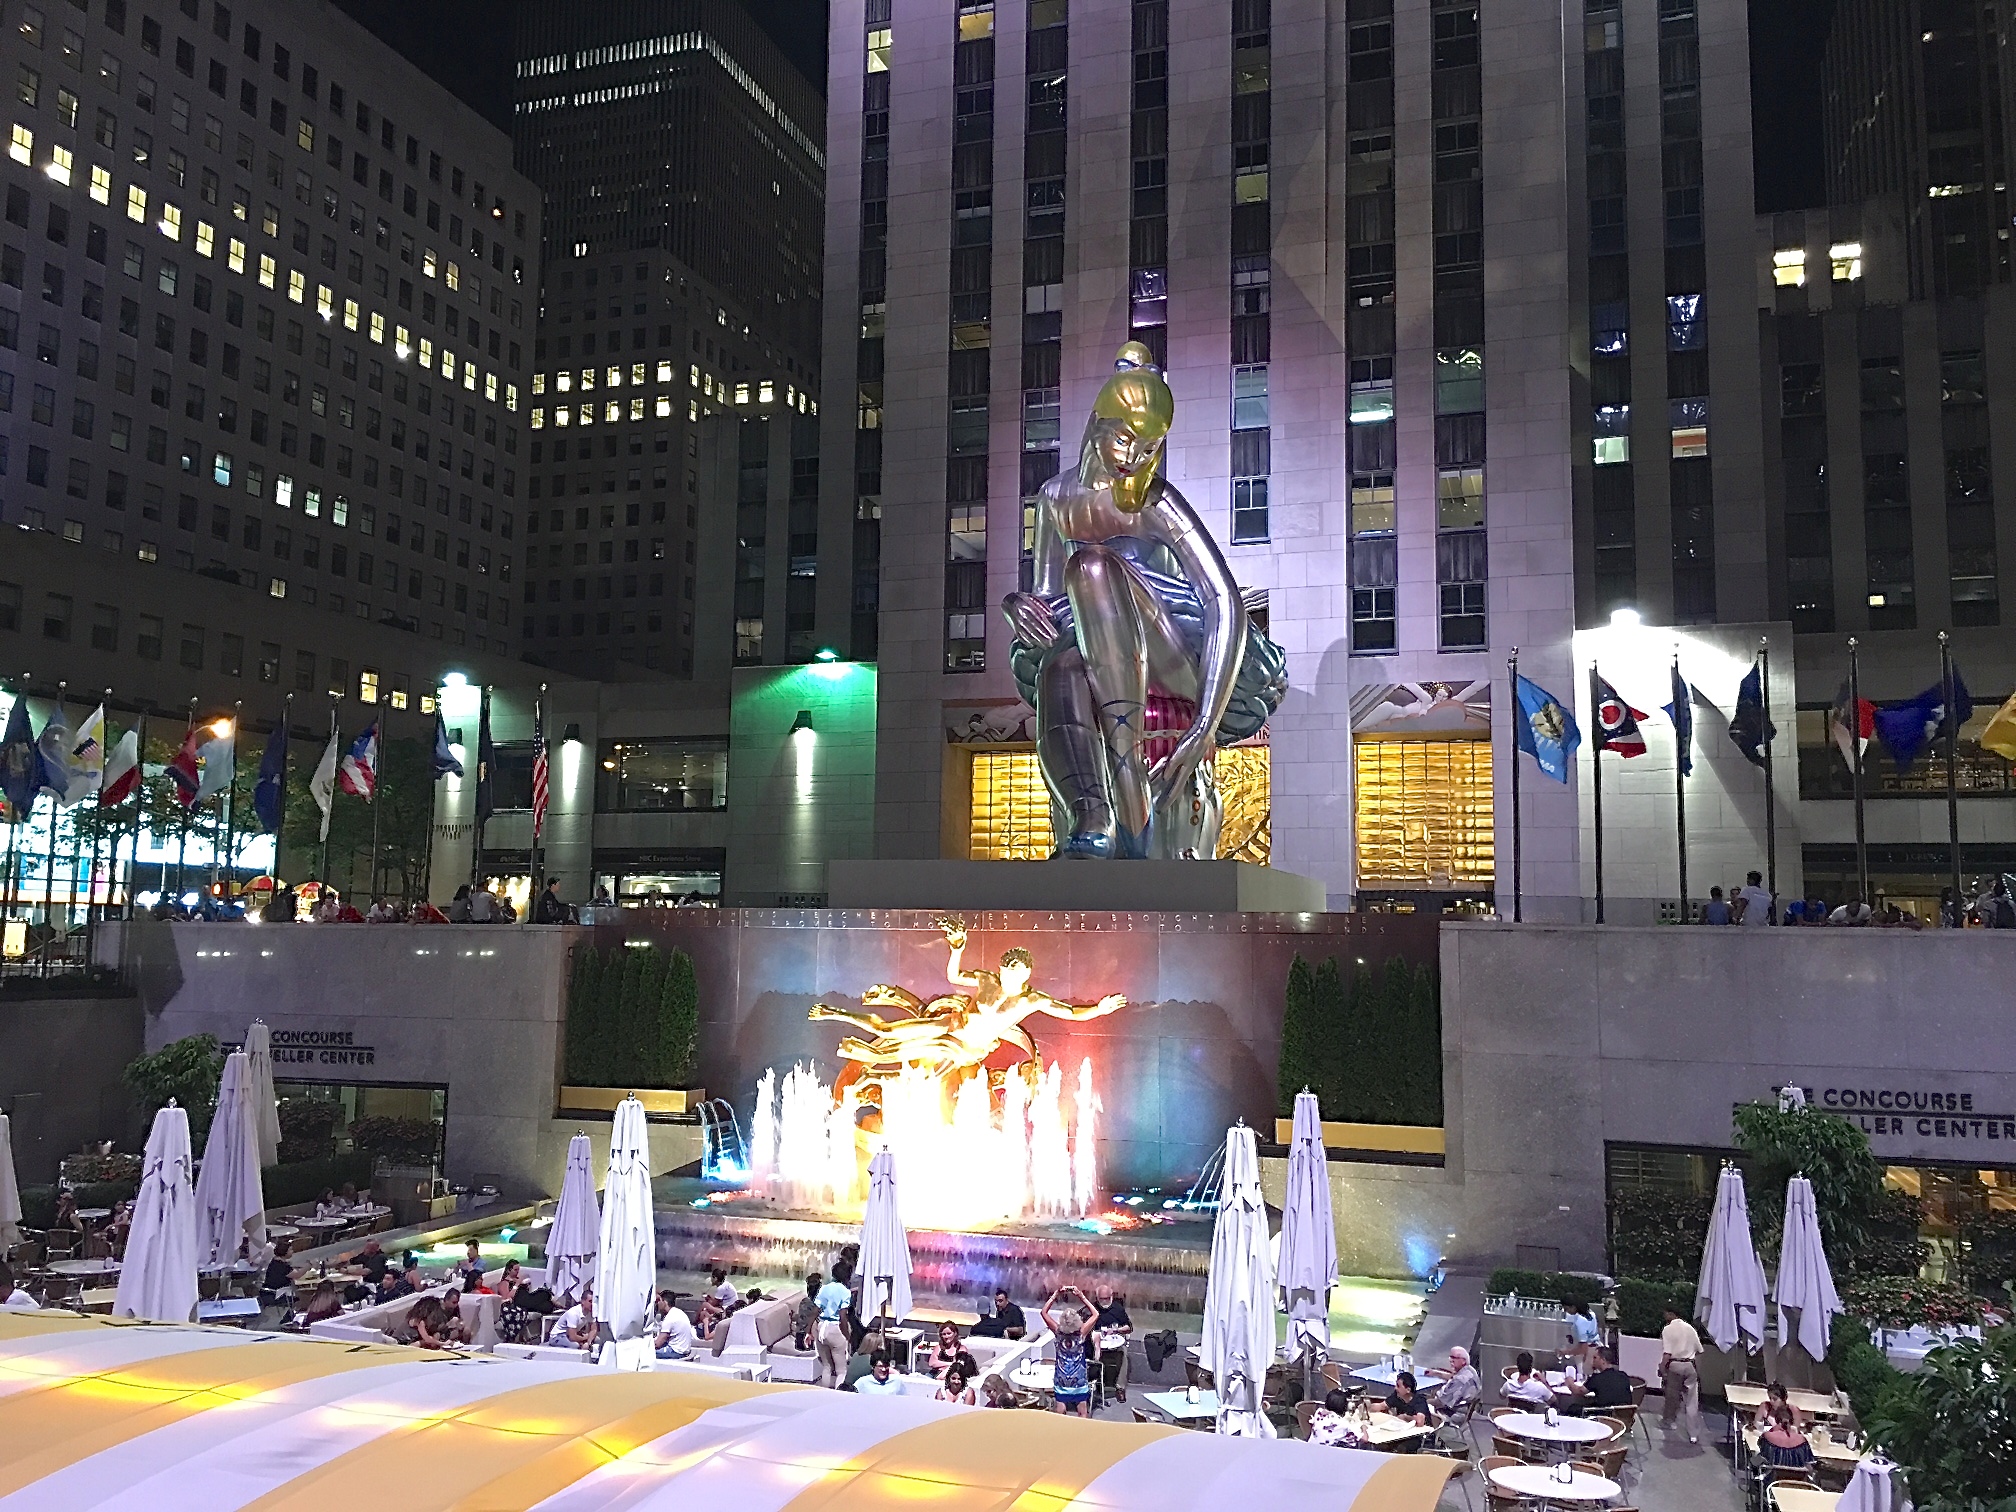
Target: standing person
<point x="835" y="1348"/>
<point x="1114" y="1327"/>
<point x="549" y="909"/>
<point x="1680" y="1373"/>
<point x="1716" y="909"/>
<point x="1996" y="910"/>
<point x="1753" y="903"/>
<point x="1582" y="1335"/>
<point x="1951" y="915"/>
<point x="805" y="1317"/>
<point x="1073" y="1329"/>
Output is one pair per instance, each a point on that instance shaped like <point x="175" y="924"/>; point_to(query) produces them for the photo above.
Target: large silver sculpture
<point x="1134" y="632"/>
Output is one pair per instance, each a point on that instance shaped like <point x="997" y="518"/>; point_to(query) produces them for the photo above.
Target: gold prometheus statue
<point x="951" y="1034"/>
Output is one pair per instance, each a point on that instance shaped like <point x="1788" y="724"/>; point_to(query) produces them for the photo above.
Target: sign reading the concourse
<point x="328" y="1047"/>
<point x="1918" y="1114"/>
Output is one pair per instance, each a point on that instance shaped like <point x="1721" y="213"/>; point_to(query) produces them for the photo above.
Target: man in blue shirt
<point x="878" y="1381"/>
<point x="835" y="1347"/>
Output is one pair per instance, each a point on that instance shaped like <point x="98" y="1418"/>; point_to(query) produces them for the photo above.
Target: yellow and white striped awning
<point x="104" y="1414"/>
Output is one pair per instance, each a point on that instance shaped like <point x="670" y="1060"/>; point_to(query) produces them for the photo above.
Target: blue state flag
<point x="445" y="761"/>
<point x="1547" y="731"/>
<point x="1681" y="712"/>
<point x="1750" y="727"/>
<point x="20" y="765"/>
<point x="1907" y="728"/>
<point x="272" y="777"/>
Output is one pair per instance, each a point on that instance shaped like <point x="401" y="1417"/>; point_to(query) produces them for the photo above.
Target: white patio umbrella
<point x="265" y="1105"/>
<point x="229" y="1204"/>
<point x="1238" y="1338"/>
<point x="884" y="1264"/>
<point x="10" y="1188"/>
<point x="1729" y="1299"/>
<point x="1805" y="1281"/>
<point x="626" y="1268"/>
<point x="158" y="1280"/>
<point x="1308" y="1264"/>
<point x="576" y="1236"/>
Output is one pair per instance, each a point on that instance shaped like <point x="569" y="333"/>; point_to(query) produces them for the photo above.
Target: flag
<point x="486" y="766"/>
<point x="52" y="754"/>
<point x="1617" y="722"/>
<point x="186" y="769"/>
<point x="322" y="786"/>
<point x="87" y="758"/>
<point x="2000" y="736"/>
<point x="220" y="758"/>
<point x="1748" y="726"/>
<point x="1681" y="712"/>
<point x="1547" y="730"/>
<point x="269" y="791"/>
<point x="1908" y="727"/>
<point x="20" y="772"/>
<point x="445" y="762"/>
<point x="358" y="775"/>
<point x="539" y="772"/>
<point x="122" y="771"/>
<point x="1840" y="724"/>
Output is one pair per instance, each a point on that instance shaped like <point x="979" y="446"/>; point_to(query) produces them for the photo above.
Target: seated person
<point x="119" y="1227"/>
<point x="1606" y="1387"/>
<point x="1780" y="1439"/>
<point x="427" y="1320"/>
<point x="577" y="1325"/>
<point x="1407" y="1402"/>
<point x="508" y="1282"/>
<point x="18" y="1298"/>
<point x="451" y="1327"/>
<point x="324" y="1304"/>
<point x="946" y="1351"/>
<point x="996" y="1392"/>
<point x="1526" y="1385"/>
<point x="406" y="1283"/>
<point x="470" y="1267"/>
<point x="955" y="1389"/>
<point x="1005" y="1322"/>
<point x="672" y="1336"/>
<point x="749" y="1299"/>
<point x="326" y="1205"/>
<point x="723" y="1291"/>
<point x="879" y="1381"/>
<point x="276" y="1287"/>
<point x="1330" y="1425"/>
<point x="346" y="1197"/>
<point x="711" y="1315"/>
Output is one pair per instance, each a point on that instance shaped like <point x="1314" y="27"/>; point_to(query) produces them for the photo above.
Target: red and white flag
<point x="540" y="776"/>
<point x="122" y="771"/>
<point x="358" y="773"/>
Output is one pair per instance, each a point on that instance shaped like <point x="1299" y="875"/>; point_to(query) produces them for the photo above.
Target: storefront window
<point x="688" y="879"/>
<point x="655" y="776"/>
<point x="366" y="1109"/>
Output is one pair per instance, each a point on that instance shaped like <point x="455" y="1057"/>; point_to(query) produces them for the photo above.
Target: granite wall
<point x="61" y="1058"/>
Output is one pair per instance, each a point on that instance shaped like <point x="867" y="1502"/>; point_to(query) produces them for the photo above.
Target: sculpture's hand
<point x="1030" y="618"/>
<point x="954" y="931"/>
<point x="1113" y="1002"/>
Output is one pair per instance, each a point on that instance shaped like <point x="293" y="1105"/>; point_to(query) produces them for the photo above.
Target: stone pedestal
<point x="1126" y="886"/>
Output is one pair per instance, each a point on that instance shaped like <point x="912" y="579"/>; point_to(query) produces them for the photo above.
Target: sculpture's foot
<point x="1093" y="846"/>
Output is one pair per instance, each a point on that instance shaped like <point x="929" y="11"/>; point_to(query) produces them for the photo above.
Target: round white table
<point x="1034" y="1375"/>
<point x="1544" y="1484"/>
<point x="102" y="1267"/>
<point x="281" y="1231"/>
<point x="1534" y="1425"/>
<point x="92" y="1215"/>
<point x="322" y="1225"/>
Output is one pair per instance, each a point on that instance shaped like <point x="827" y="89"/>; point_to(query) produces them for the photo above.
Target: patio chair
<point x="1514" y="1449"/>
<point x="1495" y="1499"/>
<point x="1304" y="1411"/>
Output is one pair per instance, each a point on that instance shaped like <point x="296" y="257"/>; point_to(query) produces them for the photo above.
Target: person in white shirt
<point x="1680" y="1373"/>
<point x="673" y="1338"/>
<point x="1527" y="1385"/>
<point x="954" y="1389"/>
<point x="578" y="1322"/>
<point x="723" y="1290"/>
<point x="1753" y="903"/>
<point x="1854" y="911"/>
<point x="18" y="1299"/>
<point x="878" y="1381"/>
<point x="836" y="1348"/>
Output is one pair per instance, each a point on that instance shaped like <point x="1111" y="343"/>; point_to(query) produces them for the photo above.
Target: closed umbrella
<point x="229" y="1205"/>
<point x="884" y="1265"/>
<point x="1729" y="1299"/>
<point x="1308" y="1232"/>
<point x="576" y="1236"/>
<point x="158" y="1280"/>
<point x="265" y="1105"/>
<point x="1805" y="1281"/>
<point x="10" y="1188"/>
<point x="626" y="1269"/>
<point x="1238" y="1338"/>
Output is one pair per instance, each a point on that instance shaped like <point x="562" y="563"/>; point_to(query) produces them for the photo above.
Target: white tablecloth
<point x="1534" y="1425"/>
<point x="1542" y="1483"/>
<point x="1178" y="1404"/>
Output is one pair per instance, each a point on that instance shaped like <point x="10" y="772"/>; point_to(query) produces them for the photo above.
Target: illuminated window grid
<point x="1011" y="806"/>
<point x="1423" y="813"/>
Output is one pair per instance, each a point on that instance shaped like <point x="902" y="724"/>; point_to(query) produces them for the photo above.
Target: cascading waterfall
<point x="962" y="1160"/>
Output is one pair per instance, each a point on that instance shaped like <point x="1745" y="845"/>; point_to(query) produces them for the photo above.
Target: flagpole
<point x="230" y="804"/>
<point x="482" y="728"/>
<point x="49" y="863"/>
<point x="1596" y="781"/>
<point x="16" y="819"/>
<point x="328" y="821"/>
<point x="1951" y="716"/>
<point x="377" y="794"/>
<point x="1770" y="795"/>
<point x="280" y="814"/>
<point x="182" y="854"/>
<point x="91" y="887"/>
<point x="1855" y="745"/>
<point x="538" y="814"/>
<point x="1681" y="690"/>
<point x="1518" y="907"/>
<point x="139" y="807"/>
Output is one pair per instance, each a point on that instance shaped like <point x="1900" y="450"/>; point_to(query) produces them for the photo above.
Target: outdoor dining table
<point x="85" y="1268"/>
<point x="936" y="1315"/>
<point x="1544" y="1485"/>
<point x="1803" y="1499"/>
<point x="1381" y="1430"/>
<point x="281" y="1231"/>
<point x="322" y="1225"/>
<point x="1038" y="1376"/>
<point x="1812" y="1403"/>
<point x="1560" y="1433"/>
<point x="92" y="1215"/>
<point x="1177" y="1404"/>
<point x="237" y="1310"/>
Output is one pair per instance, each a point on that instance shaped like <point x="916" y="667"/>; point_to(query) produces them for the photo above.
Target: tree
<point x="187" y="1071"/>
<point x="1832" y="1153"/>
<point x="1421" y="1061"/>
<point x="614" y="1037"/>
<point x="679" y="1023"/>
<point x="405" y="799"/>
<point x="1387" y="1043"/>
<point x="584" y="989"/>
<point x="1948" y="1425"/>
<point x="1297" y="1067"/>
<point x="1331" y="1048"/>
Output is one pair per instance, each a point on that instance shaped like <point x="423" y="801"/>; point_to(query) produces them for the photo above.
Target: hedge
<point x="1371" y="1050"/>
<point x="1557" y="1286"/>
<point x="304" y="1180"/>
<point x="1641" y="1305"/>
<point x="633" y="1018"/>
<point x="38" y="1203"/>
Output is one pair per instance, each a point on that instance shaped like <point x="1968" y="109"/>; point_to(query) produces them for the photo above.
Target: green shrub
<point x="38" y="1206"/>
<point x="81" y="1170"/>
<point x="1860" y="1370"/>
<point x="38" y="1203"/>
<point x="308" y="1128"/>
<point x="1946" y="1423"/>
<point x="187" y="1071"/>
<point x="1641" y="1305"/>
<point x="401" y="1141"/>
<point x="1657" y="1234"/>
<point x="1832" y="1153"/>
<point x="678" y="1040"/>
<point x="1558" y="1286"/>
<point x="304" y="1180"/>
<point x="1369" y="1047"/>
<point x="1297" y="1067"/>
<point x="584" y="998"/>
<point x="1988" y="1249"/>
<point x="1907" y="1302"/>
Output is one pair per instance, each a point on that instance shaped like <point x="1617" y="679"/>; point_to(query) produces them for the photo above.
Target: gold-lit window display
<point x="1011" y="808"/>
<point x="1423" y="813"/>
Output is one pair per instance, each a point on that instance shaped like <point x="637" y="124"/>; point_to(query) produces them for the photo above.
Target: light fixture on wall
<point x="571" y="735"/>
<point x="1625" y="619"/>
<point x="803" y="723"/>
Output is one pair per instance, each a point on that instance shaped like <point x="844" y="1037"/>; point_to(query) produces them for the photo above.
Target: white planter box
<point x="1640" y="1357"/>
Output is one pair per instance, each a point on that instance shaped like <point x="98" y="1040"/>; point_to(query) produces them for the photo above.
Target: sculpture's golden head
<point x="1130" y="423"/>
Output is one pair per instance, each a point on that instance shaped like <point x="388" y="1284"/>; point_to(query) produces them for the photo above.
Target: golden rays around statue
<point x="974" y="1143"/>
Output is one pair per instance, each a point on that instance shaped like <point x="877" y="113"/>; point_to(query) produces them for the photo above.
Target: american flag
<point x="539" y="771"/>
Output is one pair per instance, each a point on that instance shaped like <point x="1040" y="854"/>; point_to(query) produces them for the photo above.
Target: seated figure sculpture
<point x="1133" y="632"/>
